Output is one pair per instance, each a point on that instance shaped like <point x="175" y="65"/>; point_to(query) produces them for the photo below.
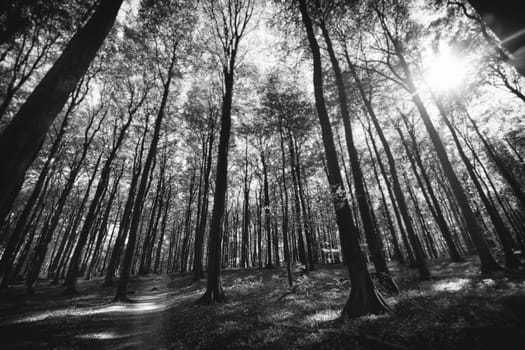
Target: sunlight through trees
<point x="148" y="138"/>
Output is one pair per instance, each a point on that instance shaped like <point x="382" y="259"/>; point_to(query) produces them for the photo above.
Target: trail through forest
<point x="457" y="309"/>
<point x="262" y="174"/>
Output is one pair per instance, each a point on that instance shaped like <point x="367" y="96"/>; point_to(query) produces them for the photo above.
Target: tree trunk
<point x="185" y="250"/>
<point x="198" y="272"/>
<point x="156" y="264"/>
<point x="364" y="298"/>
<point x="424" y="273"/>
<point x="506" y="174"/>
<point x="297" y="205"/>
<point x="23" y="137"/>
<point x="397" y="250"/>
<point x="141" y="191"/>
<point x="283" y="190"/>
<point x="103" y="228"/>
<point x="371" y="234"/>
<point x="503" y="234"/>
<point x="116" y="252"/>
<point x="214" y="291"/>
<point x="266" y="205"/>
<point x="310" y="242"/>
<point x="433" y="203"/>
<point x="245" y="213"/>
<point x="18" y="234"/>
<point x="488" y="263"/>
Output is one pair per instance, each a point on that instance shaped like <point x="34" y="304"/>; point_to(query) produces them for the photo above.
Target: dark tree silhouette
<point x="364" y="298"/>
<point x="230" y="18"/>
<point x="23" y="137"/>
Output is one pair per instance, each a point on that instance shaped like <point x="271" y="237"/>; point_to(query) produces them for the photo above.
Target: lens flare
<point x="445" y="71"/>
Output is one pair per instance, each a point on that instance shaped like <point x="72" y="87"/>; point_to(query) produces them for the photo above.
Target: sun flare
<point x="445" y="71"/>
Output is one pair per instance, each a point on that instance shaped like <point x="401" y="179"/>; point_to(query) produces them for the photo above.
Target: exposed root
<point x="387" y="282"/>
<point x="290" y="291"/>
<point x="212" y="296"/>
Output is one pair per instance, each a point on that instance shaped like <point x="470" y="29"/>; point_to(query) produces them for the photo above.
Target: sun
<point x="445" y="71"/>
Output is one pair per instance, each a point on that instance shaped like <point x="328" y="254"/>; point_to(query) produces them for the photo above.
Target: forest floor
<point x="458" y="309"/>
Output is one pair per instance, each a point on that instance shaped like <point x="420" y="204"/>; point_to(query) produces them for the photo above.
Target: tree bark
<point x="371" y="234"/>
<point x="364" y="298"/>
<point x="214" y="291"/>
<point x="488" y="263"/>
<point x="424" y="273"/>
<point x="511" y="261"/>
<point x="23" y="137"/>
<point x="198" y="272"/>
<point x="433" y="203"/>
<point x="141" y="191"/>
<point x="266" y="205"/>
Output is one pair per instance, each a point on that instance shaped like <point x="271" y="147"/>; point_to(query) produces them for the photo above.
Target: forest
<point x="227" y="174"/>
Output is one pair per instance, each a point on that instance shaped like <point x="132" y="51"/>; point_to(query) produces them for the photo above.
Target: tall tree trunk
<point x="424" y="273"/>
<point x="310" y="242"/>
<point x="364" y="298"/>
<point x="488" y="263"/>
<point x="198" y="272"/>
<point x="503" y="234"/>
<point x="502" y="168"/>
<point x="103" y="225"/>
<point x="245" y="212"/>
<point x="113" y="230"/>
<point x="397" y="250"/>
<point x="23" y="137"/>
<point x="157" y="263"/>
<point x="298" y="222"/>
<point x="433" y="203"/>
<point x="234" y="21"/>
<point x="283" y="191"/>
<point x="185" y="250"/>
<point x="49" y="229"/>
<point x="371" y="234"/>
<point x="141" y="191"/>
<point x="214" y="291"/>
<point x="6" y="263"/>
<point x="394" y="203"/>
<point x="125" y="221"/>
<point x="50" y="226"/>
<point x="266" y="205"/>
<point x="73" y="272"/>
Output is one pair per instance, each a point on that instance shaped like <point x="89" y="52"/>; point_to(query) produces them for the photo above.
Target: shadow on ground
<point x="458" y="309"/>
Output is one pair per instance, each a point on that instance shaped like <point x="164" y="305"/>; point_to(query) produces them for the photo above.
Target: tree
<point x="506" y="20"/>
<point x="364" y="298"/>
<point x="165" y="59"/>
<point x="201" y="114"/>
<point x="488" y="263"/>
<point x="372" y="237"/>
<point x="230" y="19"/>
<point x="22" y="138"/>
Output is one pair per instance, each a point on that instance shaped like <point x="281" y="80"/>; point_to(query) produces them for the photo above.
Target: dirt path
<point x="458" y="309"/>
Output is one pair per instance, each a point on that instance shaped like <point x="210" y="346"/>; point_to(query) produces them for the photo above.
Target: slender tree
<point x="364" y="298"/>
<point x="230" y="19"/>
<point x="166" y="78"/>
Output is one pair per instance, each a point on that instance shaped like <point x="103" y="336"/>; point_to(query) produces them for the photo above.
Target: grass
<point x="458" y="309"/>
